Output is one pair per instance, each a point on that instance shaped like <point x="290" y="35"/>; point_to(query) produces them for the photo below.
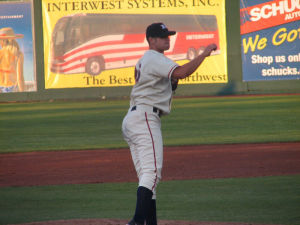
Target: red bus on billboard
<point x="91" y="43"/>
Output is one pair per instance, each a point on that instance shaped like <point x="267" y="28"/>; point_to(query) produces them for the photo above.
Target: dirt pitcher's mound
<point x="123" y="222"/>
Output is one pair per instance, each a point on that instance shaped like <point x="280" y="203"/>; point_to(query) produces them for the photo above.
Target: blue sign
<point x="270" y="40"/>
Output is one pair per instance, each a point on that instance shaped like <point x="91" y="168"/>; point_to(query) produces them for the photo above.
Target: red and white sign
<point x="269" y="14"/>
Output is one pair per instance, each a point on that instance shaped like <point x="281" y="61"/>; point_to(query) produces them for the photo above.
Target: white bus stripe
<point x="108" y="47"/>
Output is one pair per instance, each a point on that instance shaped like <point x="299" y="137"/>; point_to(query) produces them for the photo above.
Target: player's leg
<point x="143" y="134"/>
<point x="151" y="152"/>
<point x="133" y="128"/>
<point x="155" y="130"/>
<point x="144" y="195"/>
<point x="151" y="217"/>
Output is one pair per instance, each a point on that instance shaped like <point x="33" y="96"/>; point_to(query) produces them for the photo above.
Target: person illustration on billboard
<point x="11" y="62"/>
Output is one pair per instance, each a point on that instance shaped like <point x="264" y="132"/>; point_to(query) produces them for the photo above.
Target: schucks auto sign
<point x="269" y="14"/>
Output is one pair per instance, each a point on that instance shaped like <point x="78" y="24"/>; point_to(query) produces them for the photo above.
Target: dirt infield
<point x="180" y="163"/>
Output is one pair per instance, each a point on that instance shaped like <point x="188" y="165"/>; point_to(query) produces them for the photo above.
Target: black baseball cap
<point x="158" y="30"/>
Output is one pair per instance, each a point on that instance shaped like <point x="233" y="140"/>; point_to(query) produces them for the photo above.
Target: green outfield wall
<point x="235" y="85"/>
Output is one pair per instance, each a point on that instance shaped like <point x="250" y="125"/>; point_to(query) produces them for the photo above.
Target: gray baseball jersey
<point x="153" y="87"/>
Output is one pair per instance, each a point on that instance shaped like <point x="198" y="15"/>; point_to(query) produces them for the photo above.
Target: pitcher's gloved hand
<point x="174" y="83"/>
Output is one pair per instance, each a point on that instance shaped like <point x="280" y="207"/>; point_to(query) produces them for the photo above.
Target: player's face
<point x="161" y="44"/>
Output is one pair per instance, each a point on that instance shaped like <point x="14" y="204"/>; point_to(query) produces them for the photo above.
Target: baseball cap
<point x="158" y="30"/>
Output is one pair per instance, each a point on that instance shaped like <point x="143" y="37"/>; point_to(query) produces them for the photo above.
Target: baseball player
<point x="156" y="78"/>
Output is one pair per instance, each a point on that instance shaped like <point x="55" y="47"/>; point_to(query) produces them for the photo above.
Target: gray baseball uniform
<point x="156" y="76"/>
<point x="150" y="98"/>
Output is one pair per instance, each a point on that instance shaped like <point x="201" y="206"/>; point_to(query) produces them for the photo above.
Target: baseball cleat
<point x="132" y="222"/>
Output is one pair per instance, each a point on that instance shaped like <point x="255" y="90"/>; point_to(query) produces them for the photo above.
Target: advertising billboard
<point x="97" y="43"/>
<point x="17" y="61"/>
<point x="270" y="36"/>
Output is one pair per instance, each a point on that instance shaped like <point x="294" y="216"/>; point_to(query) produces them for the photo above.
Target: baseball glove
<point x="174" y="83"/>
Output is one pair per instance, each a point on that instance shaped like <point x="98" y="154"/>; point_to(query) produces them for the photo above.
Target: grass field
<point x="269" y="200"/>
<point x="193" y="121"/>
<point x="97" y="124"/>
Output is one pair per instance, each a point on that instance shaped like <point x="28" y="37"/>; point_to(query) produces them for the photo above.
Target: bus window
<point x="59" y="38"/>
<point x="73" y="38"/>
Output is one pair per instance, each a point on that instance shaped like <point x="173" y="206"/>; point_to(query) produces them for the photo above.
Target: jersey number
<point x="137" y="73"/>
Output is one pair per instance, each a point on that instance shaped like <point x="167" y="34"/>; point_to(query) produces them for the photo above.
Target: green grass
<point x="234" y="120"/>
<point x="270" y="200"/>
<point x="61" y="125"/>
<point x="91" y="125"/>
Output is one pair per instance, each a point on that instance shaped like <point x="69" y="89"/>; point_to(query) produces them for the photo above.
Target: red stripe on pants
<point x="153" y="146"/>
